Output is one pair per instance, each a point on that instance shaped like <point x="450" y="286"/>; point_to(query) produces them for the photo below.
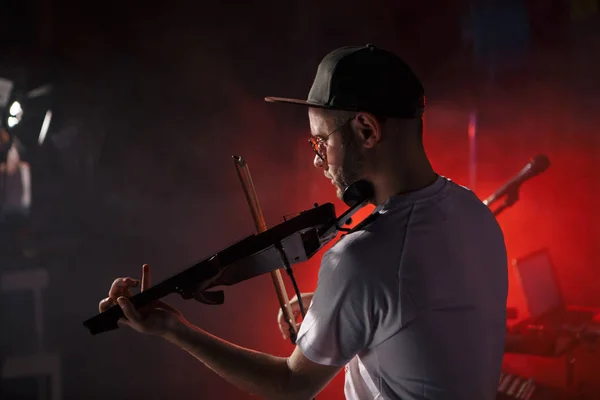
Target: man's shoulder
<point x="352" y="244"/>
<point x="350" y="255"/>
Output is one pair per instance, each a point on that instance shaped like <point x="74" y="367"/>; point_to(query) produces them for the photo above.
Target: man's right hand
<point x="283" y="325"/>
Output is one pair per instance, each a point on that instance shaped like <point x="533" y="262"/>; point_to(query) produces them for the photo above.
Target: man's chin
<point x="339" y="191"/>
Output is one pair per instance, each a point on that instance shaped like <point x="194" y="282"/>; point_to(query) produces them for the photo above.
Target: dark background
<point x="150" y="102"/>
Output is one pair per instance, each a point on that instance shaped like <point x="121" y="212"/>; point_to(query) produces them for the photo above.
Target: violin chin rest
<point x="358" y="192"/>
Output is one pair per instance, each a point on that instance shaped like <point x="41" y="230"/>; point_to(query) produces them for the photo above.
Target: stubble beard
<point x="352" y="167"/>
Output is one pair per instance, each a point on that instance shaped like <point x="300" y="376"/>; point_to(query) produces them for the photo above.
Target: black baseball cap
<point x="367" y="79"/>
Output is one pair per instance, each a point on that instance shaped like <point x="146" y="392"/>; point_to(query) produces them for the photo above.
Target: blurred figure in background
<point x="15" y="201"/>
<point x="5" y="143"/>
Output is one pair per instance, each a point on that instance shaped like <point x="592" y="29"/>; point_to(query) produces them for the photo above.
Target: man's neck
<point x="403" y="182"/>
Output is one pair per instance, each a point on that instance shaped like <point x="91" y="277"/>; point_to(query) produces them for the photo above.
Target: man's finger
<point x="121" y="286"/>
<point x="284" y="328"/>
<point x="129" y="311"/>
<point x="105" y="304"/>
<point x="146" y="277"/>
<point x="281" y="318"/>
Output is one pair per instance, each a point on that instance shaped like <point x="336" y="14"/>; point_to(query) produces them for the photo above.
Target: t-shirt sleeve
<point x="344" y="312"/>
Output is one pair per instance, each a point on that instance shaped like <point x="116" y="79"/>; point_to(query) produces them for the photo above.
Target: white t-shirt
<point x="414" y="304"/>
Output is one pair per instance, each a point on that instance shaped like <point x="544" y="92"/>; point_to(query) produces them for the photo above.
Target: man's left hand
<point x="157" y="318"/>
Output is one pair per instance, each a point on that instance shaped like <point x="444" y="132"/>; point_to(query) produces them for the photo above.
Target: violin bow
<point x="259" y="221"/>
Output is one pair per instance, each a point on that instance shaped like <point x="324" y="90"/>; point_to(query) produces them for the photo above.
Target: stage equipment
<point x="510" y="189"/>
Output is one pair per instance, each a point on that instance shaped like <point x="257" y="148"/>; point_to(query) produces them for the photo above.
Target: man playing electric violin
<point x="412" y="305"/>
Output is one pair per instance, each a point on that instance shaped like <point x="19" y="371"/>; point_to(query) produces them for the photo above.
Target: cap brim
<point x="305" y="103"/>
<point x="293" y="101"/>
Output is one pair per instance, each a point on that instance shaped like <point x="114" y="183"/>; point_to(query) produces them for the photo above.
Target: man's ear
<point x="369" y="129"/>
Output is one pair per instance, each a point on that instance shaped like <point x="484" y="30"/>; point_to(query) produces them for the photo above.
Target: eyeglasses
<point x="318" y="143"/>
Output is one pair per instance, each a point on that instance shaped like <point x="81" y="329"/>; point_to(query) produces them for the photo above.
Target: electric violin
<point x="268" y="251"/>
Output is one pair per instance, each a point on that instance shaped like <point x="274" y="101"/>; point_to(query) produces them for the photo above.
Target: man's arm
<point x="271" y="377"/>
<point x="295" y="377"/>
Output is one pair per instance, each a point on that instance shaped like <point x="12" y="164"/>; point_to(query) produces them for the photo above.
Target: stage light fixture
<point x="15" y="114"/>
